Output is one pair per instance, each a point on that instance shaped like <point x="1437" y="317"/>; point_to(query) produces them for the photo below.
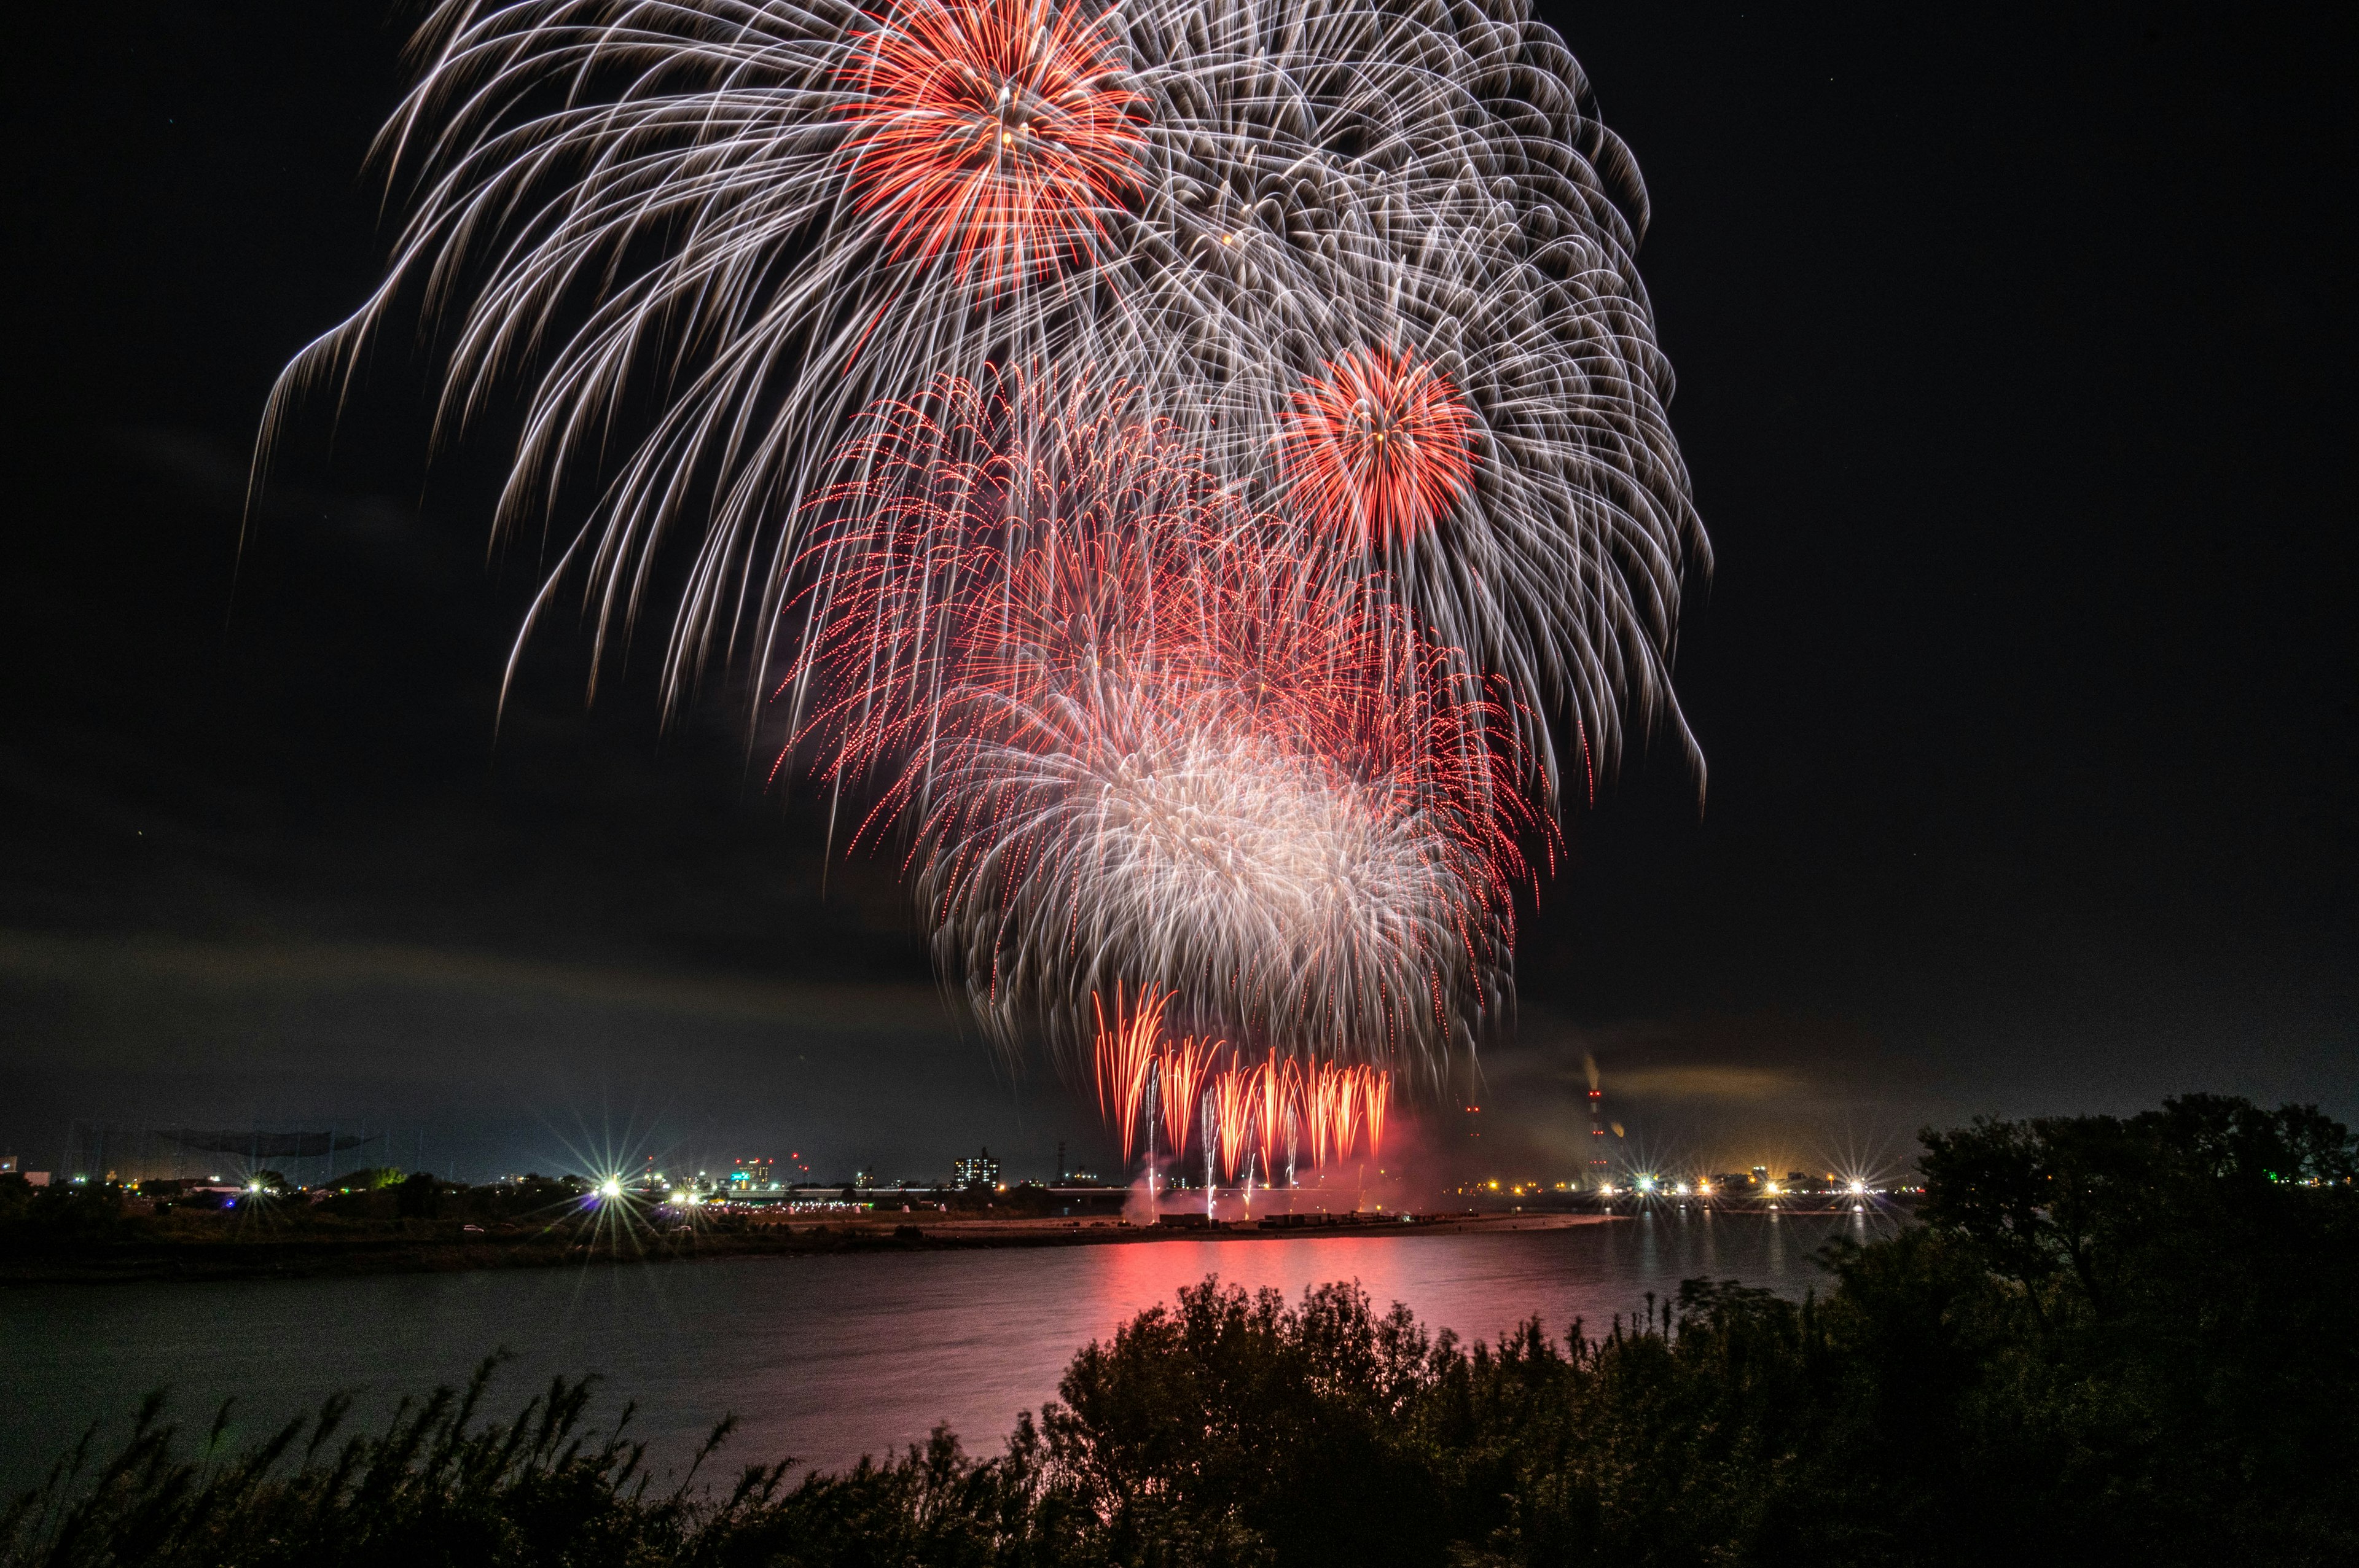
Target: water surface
<point x="821" y="1358"/>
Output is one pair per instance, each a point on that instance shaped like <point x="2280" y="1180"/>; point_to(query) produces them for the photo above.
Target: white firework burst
<point x="721" y="228"/>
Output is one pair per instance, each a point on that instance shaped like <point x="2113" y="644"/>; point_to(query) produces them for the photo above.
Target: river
<point x="821" y="1358"/>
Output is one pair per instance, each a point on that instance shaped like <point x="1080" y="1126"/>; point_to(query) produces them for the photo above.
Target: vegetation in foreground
<point x="2108" y="1341"/>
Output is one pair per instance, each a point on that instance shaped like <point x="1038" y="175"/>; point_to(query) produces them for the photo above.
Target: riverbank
<point x="447" y="1249"/>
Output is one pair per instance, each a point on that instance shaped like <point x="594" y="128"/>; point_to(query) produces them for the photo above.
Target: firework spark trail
<point x="1125" y="1059"/>
<point x="1232" y="1112"/>
<point x="1142" y="739"/>
<point x="1344" y="1103"/>
<point x="1319" y="1087"/>
<point x="761" y="218"/>
<point x="1178" y="456"/>
<point x="1273" y="1098"/>
<point x="1375" y="1100"/>
<point x="1210" y="1145"/>
<point x="1180" y="1070"/>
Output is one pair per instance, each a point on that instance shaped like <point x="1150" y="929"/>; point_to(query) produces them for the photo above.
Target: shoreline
<point x="319" y="1257"/>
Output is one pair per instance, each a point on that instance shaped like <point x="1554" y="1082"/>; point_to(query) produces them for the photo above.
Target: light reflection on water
<point x="821" y="1358"/>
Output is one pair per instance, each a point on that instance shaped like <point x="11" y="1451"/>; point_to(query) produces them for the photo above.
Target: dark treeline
<point x="2108" y="1341"/>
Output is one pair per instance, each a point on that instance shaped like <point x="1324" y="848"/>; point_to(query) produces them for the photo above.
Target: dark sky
<point x="2014" y="354"/>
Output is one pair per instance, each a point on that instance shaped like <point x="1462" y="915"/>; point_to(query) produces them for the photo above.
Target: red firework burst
<point x="994" y="130"/>
<point x="1029" y="602"/>
<point x="1378" y="449"/>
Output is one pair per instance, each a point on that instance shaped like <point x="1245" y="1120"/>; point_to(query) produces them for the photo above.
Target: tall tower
<point x="1600" y="1170"/>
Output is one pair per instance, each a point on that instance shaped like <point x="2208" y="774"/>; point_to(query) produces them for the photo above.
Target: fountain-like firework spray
<point x="1231" y="1101"/>
<point x="1210" y="1146"/>
<point x="1375" y="1100"/>
<point x="1344" y="1104"/>
<point x="1181" y="1069"/>
<point x="1272" y="1096"/>
<point x="1125" y="1058"/>
<point x="1318" y="1111"/>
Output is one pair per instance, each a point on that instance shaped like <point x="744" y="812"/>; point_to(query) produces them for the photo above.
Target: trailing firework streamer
<point x="1231" y="1104"/>
<point x="1294" y="227"/>
<point x="1125" y="1058"/>
<point x="1140" y="739"/>
<point x="1273" y="1101"/>
<point x="1344" y="1104"/>
<point x="1375" y="1100"/>
<point x="1320" y="1084"/>
<point x="1179" y="1071"/>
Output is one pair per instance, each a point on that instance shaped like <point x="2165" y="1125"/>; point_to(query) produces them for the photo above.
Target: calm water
<point x="823" y="1358"/>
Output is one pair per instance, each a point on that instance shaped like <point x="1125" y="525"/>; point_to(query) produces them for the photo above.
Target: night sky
<point x="2014" y="358"/>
